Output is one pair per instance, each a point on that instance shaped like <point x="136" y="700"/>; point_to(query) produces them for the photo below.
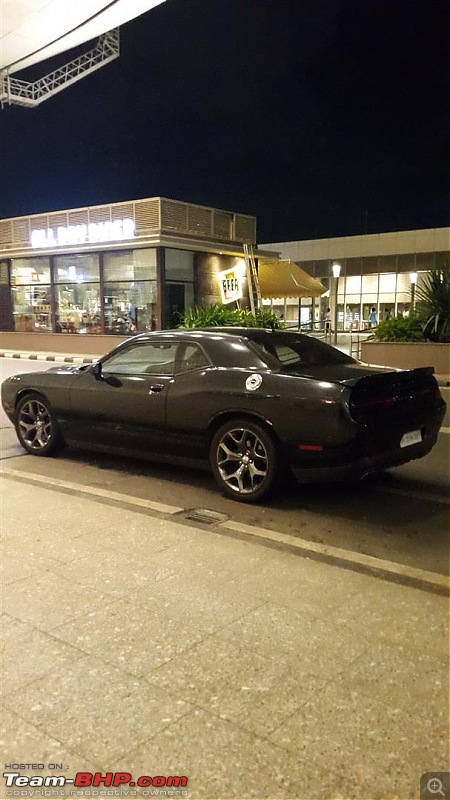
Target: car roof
<point x="210" y="332"/>
<point x="175" y="333"/>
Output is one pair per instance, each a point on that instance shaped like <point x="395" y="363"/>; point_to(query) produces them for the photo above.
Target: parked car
<point x="251" y="403"/>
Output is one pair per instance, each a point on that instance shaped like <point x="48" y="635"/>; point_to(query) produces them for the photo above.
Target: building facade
<point x="377" y="271"/>
<point x="119" y="268"/>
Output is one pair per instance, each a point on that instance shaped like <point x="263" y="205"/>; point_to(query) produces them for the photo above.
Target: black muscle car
<point x="251" y="403"/>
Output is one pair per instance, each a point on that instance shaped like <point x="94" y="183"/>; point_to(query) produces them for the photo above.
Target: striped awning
<point x="283" y="278"/>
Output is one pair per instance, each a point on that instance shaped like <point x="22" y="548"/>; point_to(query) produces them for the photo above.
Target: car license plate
<point x="413" y="437"/>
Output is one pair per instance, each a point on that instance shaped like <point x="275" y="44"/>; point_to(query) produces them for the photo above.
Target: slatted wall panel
<point x="174" y="216"/>
<point x="146" y="216"/>
<point x="200" y="220"/>
<point x="244" y="229"/>
<point x="6" y="232"/>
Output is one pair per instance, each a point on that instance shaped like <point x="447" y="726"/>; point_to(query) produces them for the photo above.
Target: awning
<point x="283" y="278"/>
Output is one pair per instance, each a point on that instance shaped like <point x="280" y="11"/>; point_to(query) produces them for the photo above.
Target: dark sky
<point x="321" y="117"/>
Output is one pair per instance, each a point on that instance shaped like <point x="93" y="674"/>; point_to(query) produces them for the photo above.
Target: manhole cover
<point x="206" y="516"/>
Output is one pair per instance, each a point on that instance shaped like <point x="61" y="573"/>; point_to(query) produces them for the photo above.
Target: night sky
<point x="321" y="117"/>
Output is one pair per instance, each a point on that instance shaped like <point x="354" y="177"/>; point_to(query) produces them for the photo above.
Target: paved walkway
<point x="136" y="641"/>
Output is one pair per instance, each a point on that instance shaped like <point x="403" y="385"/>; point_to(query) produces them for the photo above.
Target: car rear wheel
<point x="244" y="460"/>
<point x="36" y="427"/>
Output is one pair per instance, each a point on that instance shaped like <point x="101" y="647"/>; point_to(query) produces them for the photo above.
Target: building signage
<point x="80" y="234"/>
<point x="230" y="282"/>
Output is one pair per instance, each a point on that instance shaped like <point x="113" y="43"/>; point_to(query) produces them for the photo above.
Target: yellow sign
<point x="230" y="282"/>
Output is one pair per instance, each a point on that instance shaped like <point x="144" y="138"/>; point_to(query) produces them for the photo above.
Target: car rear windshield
<point x="292" y="350"/>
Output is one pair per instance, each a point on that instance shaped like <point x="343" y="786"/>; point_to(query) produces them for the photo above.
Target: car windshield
<point x="291" y="350"/>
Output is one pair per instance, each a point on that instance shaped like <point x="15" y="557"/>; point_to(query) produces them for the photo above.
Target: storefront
<point x="116" y="269"/>
<point x="131" y="267"/>
<point x="379" y="274"/>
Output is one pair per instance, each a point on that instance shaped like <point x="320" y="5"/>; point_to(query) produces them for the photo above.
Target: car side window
<point x="286" y="355"/>
<point x="192" y="358"/>
<point x="155" y="358"/>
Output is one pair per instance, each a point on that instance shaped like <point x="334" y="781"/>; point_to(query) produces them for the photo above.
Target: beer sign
<point x="230" y="282"/>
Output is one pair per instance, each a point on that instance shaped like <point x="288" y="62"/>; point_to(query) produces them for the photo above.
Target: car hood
<point x="70" y="368"/>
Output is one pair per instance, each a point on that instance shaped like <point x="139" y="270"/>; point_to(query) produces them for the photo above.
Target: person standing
<point x="373" y="317"/>
<point x="328" y="321"/>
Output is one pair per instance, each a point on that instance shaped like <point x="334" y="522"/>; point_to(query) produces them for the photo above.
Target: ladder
<point x="254" y="290"/>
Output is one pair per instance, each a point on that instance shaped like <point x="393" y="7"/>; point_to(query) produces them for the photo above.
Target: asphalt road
<point x="401" y="516"/>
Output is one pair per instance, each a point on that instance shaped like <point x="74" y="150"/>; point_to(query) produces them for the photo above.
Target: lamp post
<point x="336" y="268"/>
<point x="413" y="279"/>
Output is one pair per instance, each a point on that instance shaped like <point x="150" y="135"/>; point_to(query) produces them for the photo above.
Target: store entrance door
<point x="175" y="304"/>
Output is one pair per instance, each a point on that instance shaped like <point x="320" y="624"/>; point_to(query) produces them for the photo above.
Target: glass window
<point x="32" y="308"/>
<point x="404" y="283"/>
<point x="155" y="358"/>
<point x="370" y="284"/>
<point x="130" y="265"/>
<point x="193" y="358"/>
<point x="77" y="268"/>
<point x="300" y="350"/>
<point x="387" y="283"/>
<point x="77" y="308"/>
<point x="130" y="307"/>
<point x="179" y="265"/>
<point x="26" y="271"/>
<point x="353" y="285"/>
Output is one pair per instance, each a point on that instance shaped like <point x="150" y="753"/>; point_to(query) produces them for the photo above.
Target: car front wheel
<point x="243" y="458"/>
<point x="36" y="427"/>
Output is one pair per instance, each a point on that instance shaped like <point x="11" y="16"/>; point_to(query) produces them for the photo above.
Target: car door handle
<point x="157" y="387"/>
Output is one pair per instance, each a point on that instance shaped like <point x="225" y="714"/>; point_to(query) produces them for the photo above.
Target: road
<point x="401" y="516"/>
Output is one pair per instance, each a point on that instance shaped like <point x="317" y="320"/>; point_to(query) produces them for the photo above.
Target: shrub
<point x="218" y="315"/>
<point x="433" y="305"/>
<point x="399" y="329"/>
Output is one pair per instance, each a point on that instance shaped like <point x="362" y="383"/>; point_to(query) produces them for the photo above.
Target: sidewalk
<point x="137" y="642"/>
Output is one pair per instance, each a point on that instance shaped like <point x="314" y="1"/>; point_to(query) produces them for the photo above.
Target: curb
<point x="58" y="358"/>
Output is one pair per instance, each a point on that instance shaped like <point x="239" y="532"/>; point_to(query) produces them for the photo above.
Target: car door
<point x="124" y="405"/>
<point x="189" y="403"/>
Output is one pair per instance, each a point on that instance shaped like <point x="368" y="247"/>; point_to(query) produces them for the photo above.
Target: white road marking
<point x="444" y="430"/>
<point x="302" y="545"/>
<point x="161" y="508"/>
<point x="379" y="564"/>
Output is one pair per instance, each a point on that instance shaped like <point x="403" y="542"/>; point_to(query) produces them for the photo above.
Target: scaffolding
<point x="14" y="91"/>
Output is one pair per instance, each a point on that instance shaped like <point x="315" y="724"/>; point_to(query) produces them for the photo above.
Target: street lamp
<point x="413" y="279"/>
<point x="336" y="268"/>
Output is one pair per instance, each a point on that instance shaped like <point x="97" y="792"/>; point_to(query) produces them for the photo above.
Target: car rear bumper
<point x="372" y="453"/>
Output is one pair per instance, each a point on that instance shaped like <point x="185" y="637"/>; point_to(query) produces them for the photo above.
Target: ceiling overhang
<point x="34" y="30"/>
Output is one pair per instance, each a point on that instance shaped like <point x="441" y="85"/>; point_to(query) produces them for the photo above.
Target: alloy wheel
<point x="35" y="425"/>
<point x="242" y="460"/>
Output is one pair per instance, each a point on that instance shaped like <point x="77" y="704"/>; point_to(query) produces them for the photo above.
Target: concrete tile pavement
<point x="136" y="643"/>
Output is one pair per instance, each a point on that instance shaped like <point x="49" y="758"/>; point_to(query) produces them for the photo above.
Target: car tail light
<point x="373" y="404"/>
<point x="311" y="447"/>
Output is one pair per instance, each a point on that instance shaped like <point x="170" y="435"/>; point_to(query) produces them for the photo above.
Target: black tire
<point x="36" y="427"/>
<point x="244" y="460"/>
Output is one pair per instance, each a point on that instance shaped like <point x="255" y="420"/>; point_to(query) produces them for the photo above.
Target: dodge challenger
<point x="253" y="404"/>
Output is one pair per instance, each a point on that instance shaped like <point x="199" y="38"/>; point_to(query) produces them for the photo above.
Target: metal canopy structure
<point x="32" y="93"/>
<point x="32" y="31"/>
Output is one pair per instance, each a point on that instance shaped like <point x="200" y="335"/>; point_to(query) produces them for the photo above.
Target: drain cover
<point x="206" y="516"/>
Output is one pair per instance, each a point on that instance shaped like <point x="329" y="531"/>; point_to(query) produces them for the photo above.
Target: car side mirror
<point x="97" y="371"/>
